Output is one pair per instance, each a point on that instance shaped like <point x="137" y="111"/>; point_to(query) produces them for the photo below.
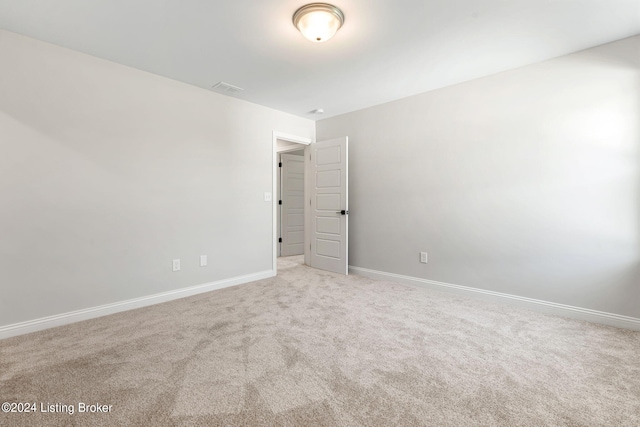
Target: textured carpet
<point x="311" y="348"/>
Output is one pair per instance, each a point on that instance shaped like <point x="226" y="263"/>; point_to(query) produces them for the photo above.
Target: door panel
<point x="329" y="196"/>
<point x="292" y="205"/>
<point x="328" y="248"/>
<point x="328" y="156"/>
<point x="328" y="179"/>
<point x="328" y="201"/>
<point x="328" y="225"/>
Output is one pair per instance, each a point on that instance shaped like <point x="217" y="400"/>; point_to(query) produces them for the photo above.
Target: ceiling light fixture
<point x="318" y="22"/>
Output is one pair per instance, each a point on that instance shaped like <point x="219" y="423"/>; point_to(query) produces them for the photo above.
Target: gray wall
<point x="526" y="182"/>
<point x="108" y="173"/>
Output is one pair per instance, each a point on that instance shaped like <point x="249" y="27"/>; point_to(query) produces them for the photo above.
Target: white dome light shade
<point x="318" y="22"/>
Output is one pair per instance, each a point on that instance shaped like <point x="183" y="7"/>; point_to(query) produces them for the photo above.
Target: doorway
<point x="286" y="145"/>
<point x="325" y="201"/>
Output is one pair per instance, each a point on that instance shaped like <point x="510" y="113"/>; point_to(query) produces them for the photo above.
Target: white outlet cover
<point x="267" y="197"/>
<point x="176" y="265"/>
<point x="203" y="260"/>
<point x="423" y="257"/>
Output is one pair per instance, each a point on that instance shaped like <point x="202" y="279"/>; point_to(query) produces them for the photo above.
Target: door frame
<point x="299" y="141"/>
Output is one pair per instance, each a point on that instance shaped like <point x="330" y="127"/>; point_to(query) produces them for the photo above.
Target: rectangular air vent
<point x="226" y="88"/>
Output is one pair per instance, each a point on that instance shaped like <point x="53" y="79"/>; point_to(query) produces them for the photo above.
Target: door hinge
<point x="279" y="202"/>
<point x="280" y="164"/>
<point x="280" y="240"/>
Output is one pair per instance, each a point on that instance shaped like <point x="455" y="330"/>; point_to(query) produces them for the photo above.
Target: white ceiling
<point x="386" y="49"/>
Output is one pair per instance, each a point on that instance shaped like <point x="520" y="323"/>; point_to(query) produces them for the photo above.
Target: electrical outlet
<point x="423" y="257"/>
<point x="203" y="260"/>
<point x="267" y="197"/>
<point x="176" y="265"/>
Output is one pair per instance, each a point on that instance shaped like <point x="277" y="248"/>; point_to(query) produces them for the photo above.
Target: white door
<point x="329" y="205"/>
<point x="292" y="205"/>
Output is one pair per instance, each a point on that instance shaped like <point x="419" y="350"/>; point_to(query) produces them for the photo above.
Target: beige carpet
<point x="312" y="348"/>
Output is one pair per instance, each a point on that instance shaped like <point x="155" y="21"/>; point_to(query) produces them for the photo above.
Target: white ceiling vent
<point x="226" y="88"/>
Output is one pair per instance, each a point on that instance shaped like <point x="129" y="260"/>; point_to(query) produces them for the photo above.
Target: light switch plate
<point x="203" y="260"/>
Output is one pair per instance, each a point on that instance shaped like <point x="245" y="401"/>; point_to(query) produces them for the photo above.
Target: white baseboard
<point x="103" y="310"/>
<point x="546" y="307"/>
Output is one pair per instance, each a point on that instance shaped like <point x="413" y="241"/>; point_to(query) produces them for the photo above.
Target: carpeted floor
<point x="311" y="348"/>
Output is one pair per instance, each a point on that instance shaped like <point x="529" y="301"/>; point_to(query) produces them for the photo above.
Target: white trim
<point x="103" y="310"/>
<point x="546" y="307"/>
<point x="291" y="138"/>
<point x="274" y="146"/>
<point x="285" y="150"/>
